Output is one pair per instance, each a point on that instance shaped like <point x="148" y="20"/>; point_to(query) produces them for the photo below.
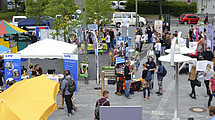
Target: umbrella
<point x="183" y="50"/>
<point x="31" y="99"/>
<point x="4" y="49"/>
<point x="7" y="28"/>
<point x="177" y="58"/>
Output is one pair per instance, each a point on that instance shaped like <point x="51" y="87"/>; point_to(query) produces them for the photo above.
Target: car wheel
<point x="185" y="22"/>
<point x="118" y="25"/>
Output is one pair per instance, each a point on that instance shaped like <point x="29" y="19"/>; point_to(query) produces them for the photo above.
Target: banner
<point x="84" y="69"/>
<point x="120" y="39"/>
<point x="38" y="31"/>
<point x="70" y="62"/>
<point x="12" y="67"/>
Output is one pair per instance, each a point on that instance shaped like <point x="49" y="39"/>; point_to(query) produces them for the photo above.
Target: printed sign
<point x="70" y="62"/>
<point x="12" y="67"/>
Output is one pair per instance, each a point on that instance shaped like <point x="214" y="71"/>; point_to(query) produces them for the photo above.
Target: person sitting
<point x="208" y="55"/>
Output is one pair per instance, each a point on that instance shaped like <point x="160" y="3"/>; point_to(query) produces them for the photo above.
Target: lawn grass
<point x="8" y="15"/>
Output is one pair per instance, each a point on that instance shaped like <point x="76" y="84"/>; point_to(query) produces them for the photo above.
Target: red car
<point x="192" y="18"/>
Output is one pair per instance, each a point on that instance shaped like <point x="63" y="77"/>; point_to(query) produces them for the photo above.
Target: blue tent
<point x="32" y="22"/>
<point x="4" y="49"/>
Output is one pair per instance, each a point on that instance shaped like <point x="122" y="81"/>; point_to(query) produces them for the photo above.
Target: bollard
<point x="102" y="83"/>
<point x="177" y="24"/>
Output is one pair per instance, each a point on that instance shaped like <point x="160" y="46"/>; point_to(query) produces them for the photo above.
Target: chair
<point x="51" y="71"/>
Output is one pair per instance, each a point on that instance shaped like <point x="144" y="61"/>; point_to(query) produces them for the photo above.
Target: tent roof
<point x="47" y="48"/>
<point x="7" y="28"/>
<point x="3" y="49"/>
<point x="30" y="22"/>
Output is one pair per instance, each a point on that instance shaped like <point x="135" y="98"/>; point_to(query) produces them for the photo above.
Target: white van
<point x="16" y="19"/>
<point x="127" y="17"/>
<point x="122" y="5"/>
<point x="115" y="5"/>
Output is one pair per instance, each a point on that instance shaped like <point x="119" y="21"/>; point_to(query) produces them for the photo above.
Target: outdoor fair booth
<point x="7" y="28"/>
<point x="53" y="49"/>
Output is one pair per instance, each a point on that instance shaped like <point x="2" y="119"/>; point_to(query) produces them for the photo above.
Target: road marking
<point x="159" y="110"/>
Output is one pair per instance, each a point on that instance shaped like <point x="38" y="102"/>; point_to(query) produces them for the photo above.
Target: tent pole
<point x="29" y="62"/>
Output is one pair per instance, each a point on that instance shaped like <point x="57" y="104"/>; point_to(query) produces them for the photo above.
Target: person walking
<point x="137" y="40"/>
<point x="157" y="49"/>
<point x="111" y="33"/>
<point x="208" y="55"/>
<point x="67" y="85"/>
<point x="160" y="76"/>
<point x="146" y="83"/>
<point x="149" y="32"/>
<point x="126" y="51"/>
<point x="137" y="58"/>
<point x="151" y="67"/>
<point x="206" y="18"/>
<point x="162" y="41"/>
<point x="154" y="39"/>
<point x="101" y="102"/>
<point x="211" y="111"/>
<point x="108" y="40"/>
<point x="192" y="78"/>
<point x="207" y="76"/>
<point x="127" y="74"/>
<point x="211" y="89"/>
<point x="150" y="53"/>
<point x="2" y="84"/>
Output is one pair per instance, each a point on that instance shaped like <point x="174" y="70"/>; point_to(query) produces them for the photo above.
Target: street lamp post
<point x="136" y="7"/>
<point x="174" y="58"/>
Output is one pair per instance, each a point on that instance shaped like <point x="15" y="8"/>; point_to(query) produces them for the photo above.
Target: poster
<point x="84" y="69"/>
<point x="70" y="62"/>
<point x="128" y="41"/>
<point x="193" y="46"/>
<point x="92" y="26"/>
<point x="12" y="67"/>
<point x="120" y="39"/>
<point x="38" y="30"/>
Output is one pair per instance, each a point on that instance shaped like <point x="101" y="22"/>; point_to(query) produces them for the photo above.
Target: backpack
<point x="71" y="85"/>
<point x="164" y="71"/>
<point x="148" y="76"/>
<point x="97" y="114"/>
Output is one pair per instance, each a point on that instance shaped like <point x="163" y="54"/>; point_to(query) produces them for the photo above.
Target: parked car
<point x="122" y="5"/>
<point x="189" y="18"/>
<point x="115" y="5"/>
<point x="16" y="19"/>
<point x="127" y="17"/>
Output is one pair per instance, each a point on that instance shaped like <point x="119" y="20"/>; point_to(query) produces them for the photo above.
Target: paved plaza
<point x="157" y="108"/>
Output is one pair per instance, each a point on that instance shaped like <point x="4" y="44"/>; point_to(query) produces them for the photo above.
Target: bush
<point x="174" y="8"/>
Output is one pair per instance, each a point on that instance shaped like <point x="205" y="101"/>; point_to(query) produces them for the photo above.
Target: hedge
<point x="168" y="7"/>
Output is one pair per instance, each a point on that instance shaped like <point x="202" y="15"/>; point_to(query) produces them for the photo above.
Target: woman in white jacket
<point x="151" y="53"/>
<point x="157" y="49"/>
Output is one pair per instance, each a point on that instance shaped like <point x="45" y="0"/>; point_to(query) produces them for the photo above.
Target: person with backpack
<point x="151" y="67"/>
<point x="147" y="77"/>
<point x="160" y="74"/>
<point x="68" y="87"/>
<point x="101" y="102"/>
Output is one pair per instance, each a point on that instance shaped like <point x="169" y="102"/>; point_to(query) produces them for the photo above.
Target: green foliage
<point x="35" y="9"/>
<point x="99" y="10"/>
<point x="65" y="8"/>
<point x="8" y="15"/>
<point x="174" y="8"/>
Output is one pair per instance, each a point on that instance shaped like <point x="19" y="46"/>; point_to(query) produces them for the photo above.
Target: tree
<point x="16" y="3"/>
<point x="99" y="10"/>
<point x="67" y="10"/>
<point x="35" y="9"/>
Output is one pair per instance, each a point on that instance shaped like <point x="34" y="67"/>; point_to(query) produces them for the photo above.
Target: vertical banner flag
<point x="70" y="62"/>
<point x="12" y="67"/>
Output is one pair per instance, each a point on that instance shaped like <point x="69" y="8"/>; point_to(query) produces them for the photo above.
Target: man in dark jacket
<point x="111" y="33"/>
<point x="127" y="74"/>
<point x="151" y="67"/>
<point x="68" y="95"/>
<point x="208" y="55"/>
<point x="149" y="32"/>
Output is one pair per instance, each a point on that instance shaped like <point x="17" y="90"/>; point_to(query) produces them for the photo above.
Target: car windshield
<point x="122" y="3"/>
<point x="183" y="16"/>
<point x="18" y="19"/>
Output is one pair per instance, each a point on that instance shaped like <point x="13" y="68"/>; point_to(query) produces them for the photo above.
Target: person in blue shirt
<point x="211" y="111"/>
